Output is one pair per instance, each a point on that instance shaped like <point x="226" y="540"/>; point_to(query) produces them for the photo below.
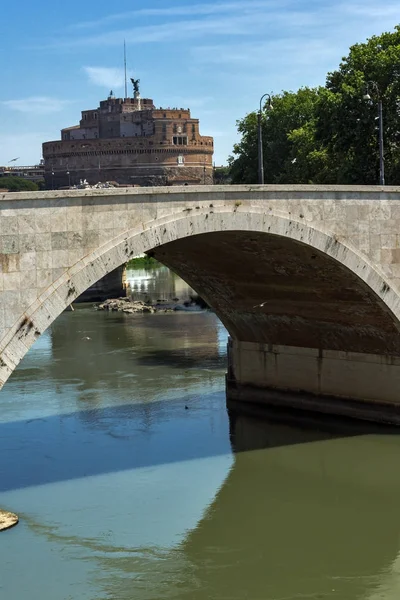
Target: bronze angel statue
<point x="135" y="83"/>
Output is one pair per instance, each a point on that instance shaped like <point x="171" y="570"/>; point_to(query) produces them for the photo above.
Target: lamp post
<point x="374" y="85"/>
<point x="69" y="175"/>
<point x="260" y="144"/>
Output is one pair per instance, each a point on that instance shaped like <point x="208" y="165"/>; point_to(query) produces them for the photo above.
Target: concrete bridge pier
<point x="353" y="384"/>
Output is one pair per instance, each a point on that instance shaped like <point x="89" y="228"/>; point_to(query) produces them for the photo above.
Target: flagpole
<point x="126" y="89"/>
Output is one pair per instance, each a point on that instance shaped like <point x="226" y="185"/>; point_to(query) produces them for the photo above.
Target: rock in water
<point x="7" y="520"/>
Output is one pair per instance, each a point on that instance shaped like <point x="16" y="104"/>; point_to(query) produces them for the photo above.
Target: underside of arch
<point x="272" y="289"/>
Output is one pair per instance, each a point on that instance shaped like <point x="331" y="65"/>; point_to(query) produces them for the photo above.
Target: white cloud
<point x="374" y="11"/>
<point x="311" y="42"/>
<point x="251" y="19"/>
<point x="235" y="24"/>
<point x="184" y="11"/>
<point x="108" y="77"/>
<point x="39" y="105"/>
<point x="291" y="52"/>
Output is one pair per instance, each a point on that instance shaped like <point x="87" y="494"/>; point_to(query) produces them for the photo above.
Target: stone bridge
<point x="305" y="278"/>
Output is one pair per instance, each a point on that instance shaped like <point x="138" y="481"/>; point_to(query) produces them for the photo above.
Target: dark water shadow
<point x="308" y="510"/>
<point x="191" y="358"/>
<point x="257" y="427"/>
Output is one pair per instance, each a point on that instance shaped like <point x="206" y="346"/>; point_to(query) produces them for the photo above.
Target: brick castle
<point x="131" y="142"/>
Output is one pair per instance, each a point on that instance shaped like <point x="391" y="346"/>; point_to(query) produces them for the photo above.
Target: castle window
<point x="179" y="140"/>
<point x="175" y="128"/>
<point x="193" y="128"/>
<point x="164" y="128"/>
<point x="181" y="160"/>
<point x="85" y="117"/>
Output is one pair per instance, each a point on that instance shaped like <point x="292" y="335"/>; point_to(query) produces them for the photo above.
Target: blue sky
<point x="216" y="57"/>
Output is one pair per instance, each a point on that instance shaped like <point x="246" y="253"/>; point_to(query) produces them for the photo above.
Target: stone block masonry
<point x="308" y="270"/>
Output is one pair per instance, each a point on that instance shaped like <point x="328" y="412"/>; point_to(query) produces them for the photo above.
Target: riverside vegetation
<point x="329" y="134"/>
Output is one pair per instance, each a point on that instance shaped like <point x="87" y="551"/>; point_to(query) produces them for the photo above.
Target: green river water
<point x="132" y="480"/>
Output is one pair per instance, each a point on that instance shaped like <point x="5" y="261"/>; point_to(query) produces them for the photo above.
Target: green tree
<point x="222" y="175"/>
<point x="18" y="184"/>
<point x="291" y="153"/>
<point x="330" y="134"/>
<point x="347" y="124"/>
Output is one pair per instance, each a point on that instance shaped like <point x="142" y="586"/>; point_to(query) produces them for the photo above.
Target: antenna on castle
<point x="126" y="88"/>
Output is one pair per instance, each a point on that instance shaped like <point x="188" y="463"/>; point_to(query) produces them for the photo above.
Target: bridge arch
<point x="363" y="289"/>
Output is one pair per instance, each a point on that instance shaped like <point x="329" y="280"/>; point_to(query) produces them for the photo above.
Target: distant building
<point x="33" y="173"/>
<point x="131" y="142"/>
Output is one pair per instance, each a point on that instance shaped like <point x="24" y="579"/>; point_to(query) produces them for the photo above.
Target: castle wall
<point x="127" y="162"/>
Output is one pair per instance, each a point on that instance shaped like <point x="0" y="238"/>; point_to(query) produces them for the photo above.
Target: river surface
<point x="132" y="481"/>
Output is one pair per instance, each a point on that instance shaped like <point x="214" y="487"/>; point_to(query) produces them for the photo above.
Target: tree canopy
<point x="330" y="134"/>
<point x="222" y="175"/>
<point x="18" y="184"/>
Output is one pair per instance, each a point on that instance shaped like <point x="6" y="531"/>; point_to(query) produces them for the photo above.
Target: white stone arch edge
<point x="76" y="279"/>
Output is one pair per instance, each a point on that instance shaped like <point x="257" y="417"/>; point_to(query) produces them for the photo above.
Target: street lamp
<point x="366" y="96"/>
<point x="260" y="144"/>
<point x="69" y="179"/>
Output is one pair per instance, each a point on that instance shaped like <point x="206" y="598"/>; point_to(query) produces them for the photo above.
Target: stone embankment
<point x="126" y="305"/>
<point x="7" y="520"/>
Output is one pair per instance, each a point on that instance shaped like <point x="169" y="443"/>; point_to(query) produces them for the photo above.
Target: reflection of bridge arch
<point x="299" y="518"/>
<point x="241" y="237"/>
<point x="301" y="513"/>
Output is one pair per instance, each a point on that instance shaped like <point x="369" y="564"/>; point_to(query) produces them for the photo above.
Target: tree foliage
<point x="330" y="134"/>
<point x="18" y="184"/>
<point x="222" y="175"/>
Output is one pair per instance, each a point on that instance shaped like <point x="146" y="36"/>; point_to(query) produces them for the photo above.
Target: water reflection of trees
<point x="133" y="359"/>
<point x="116" y="341"/>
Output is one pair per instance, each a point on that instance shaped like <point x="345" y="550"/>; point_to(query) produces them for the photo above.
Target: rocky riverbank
<point x="126" y="305"/>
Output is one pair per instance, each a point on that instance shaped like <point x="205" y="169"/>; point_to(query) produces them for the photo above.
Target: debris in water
<point x="7" y="520"/>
